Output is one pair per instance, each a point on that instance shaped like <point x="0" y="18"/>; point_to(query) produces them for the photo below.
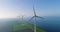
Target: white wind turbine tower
<point x="35" y="16"/>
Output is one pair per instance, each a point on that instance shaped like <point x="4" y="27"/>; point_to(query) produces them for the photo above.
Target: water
<point x="50" y="24"/>
<point x="6" y="25"/>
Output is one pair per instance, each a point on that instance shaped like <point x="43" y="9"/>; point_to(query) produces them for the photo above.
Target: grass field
<point x="23" y="25"/>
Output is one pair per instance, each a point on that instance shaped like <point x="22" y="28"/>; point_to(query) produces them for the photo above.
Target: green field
<point x="25" y="25"/>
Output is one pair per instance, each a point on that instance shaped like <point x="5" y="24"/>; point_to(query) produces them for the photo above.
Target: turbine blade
<point x="40" y="17"/>
<point x="31" y="18"/>
<point x="34" y="11"/>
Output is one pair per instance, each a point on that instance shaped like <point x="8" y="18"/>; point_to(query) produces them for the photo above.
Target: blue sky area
<point x="14" y="8"/>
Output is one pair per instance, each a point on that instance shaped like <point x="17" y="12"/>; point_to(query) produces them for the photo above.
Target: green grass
<point x="32" y="27"/>
<point x="18" y="27"/>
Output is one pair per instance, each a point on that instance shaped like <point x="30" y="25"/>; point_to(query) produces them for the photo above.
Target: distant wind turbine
<point x="35" y="16"/>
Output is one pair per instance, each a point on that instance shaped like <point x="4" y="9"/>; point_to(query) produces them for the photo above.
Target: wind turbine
<point x="35" y="16"/>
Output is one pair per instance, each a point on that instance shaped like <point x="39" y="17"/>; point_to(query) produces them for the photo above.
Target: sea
<point x="49" y="24"/>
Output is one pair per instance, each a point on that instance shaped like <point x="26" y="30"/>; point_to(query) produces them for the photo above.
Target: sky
<point x="14" y="8"/>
